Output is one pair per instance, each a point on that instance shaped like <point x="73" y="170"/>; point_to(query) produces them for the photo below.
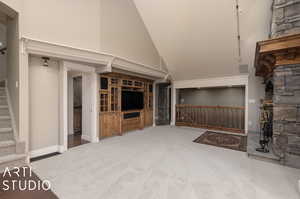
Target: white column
<point x="90" y="107"/>
<point x="23" y="134"/>
<point x="63" y="81"/>
<point x="94" y="116"/>
<point x="95" y="107"/>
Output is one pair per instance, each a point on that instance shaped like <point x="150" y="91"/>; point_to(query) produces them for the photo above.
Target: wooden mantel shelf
<point x="276" y="52"/>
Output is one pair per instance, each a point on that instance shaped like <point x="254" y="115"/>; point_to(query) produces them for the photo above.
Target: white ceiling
<point x="196" y="38"/>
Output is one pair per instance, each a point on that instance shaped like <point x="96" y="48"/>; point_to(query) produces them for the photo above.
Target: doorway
<point x="75" y="137"/>
<point x="163" y="104"/>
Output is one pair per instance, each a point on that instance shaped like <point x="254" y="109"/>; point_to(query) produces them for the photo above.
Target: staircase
<point x="11" y="151"/>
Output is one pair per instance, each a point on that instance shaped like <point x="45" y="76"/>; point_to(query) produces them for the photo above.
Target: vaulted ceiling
<point x="196" y="38"/>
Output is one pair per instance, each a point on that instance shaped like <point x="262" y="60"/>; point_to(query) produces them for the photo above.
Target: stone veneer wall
<point x="286" y="18"/>
<point x="286" y="120"/>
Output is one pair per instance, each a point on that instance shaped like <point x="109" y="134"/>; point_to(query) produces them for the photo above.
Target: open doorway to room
<point x="75" y="135"/>
<point x="163" y="98"/>
<point x="218" y="108"/>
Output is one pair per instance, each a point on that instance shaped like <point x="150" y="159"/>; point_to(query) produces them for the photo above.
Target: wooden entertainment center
<point x="114" y="120"/>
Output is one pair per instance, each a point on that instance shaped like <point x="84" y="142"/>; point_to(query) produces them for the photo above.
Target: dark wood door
<point x="77" y="85"/>
<point x="164" y="105"/>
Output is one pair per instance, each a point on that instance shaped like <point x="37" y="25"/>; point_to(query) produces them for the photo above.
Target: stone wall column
<point x="286" y="18"/>
<point x="286" y="120"/>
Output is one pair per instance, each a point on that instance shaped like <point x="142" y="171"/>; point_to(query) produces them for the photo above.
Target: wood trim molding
<point x="212" y="82"/>
<point x="276" y="52"/>
<point x="102" y="61"/>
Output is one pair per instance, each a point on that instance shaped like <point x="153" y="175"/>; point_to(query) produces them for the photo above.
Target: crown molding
<point x="212" y="82"/>
<point x="102" y="61"/>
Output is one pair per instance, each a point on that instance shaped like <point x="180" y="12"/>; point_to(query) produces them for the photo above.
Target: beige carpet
<point x="164" y="163"/>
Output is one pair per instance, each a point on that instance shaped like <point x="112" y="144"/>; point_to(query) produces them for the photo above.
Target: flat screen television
<point x="132" y="100"/>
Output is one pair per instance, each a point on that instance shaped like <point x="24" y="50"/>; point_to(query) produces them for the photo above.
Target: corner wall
<point x="255" y="23"/>
<point x="124" y="34"/>
<point x="65" y="22"/>
<point x="44" y="104"/>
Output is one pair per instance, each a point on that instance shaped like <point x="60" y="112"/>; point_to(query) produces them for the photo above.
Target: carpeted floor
<point x="164" y="163"/>
<point x="225" y="140"/>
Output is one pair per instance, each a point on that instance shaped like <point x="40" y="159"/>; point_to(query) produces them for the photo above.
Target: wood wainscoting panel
<point x="134" y="123"/>
<point x="110" y="124"/>
<point x="222" y="118"/>
<point x="148" y="118"/>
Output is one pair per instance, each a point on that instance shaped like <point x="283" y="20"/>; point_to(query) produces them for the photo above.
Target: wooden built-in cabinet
<point x="149" y="104"/>
<point x="114" y="121"/>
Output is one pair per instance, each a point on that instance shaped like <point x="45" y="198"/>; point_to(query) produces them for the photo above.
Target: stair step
<point x="4" y="112"/>
<point x="12" y="161"/>
<point x="12" y="157"/>
<point x="3" y="106"/>
<point x="2" y="84"/>
<point x="3" y="130"/>
<point x="7" y="135"/>
<point x="7" y="148"/>
<point x="7" y="143"/>
<point x="5" y="124"/>
<point x="3" y="102"/>
<point x="4" y="118"/>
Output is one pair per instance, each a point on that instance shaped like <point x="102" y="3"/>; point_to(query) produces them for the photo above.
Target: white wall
<point x="68" y="22"/>
<point x="3" y="62"/>
<point x="123" y="33"/>
<point x="44" y="104"/>
<point x="255" y="19"/>
<point x="234" y="96"/>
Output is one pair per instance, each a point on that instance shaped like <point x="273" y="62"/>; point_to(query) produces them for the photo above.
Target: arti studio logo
<point x="21" y="179"/>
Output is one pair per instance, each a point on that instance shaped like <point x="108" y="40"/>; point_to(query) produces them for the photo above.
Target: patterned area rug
<point x="229" y="141"/>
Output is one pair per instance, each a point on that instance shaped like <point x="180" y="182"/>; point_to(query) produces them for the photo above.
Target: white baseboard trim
<point x="86" y="137"/>
<point x="95" y="140"/>
<point x="62" y="149"/>
<point x="44" y="151"/>
<point x="90" y="139"/>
